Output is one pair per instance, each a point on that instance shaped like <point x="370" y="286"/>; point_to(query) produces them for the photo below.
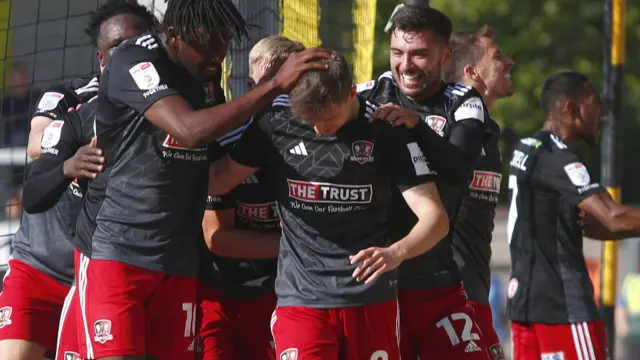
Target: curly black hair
<point x="117" y="7"/>
<point x="196" y="20"/>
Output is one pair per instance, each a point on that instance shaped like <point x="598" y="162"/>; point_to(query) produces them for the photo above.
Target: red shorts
<point x="357" y="333"/>
<point x="127" y="310"/>
<point x="233" y="329"/>
<point x="580" y="341"/>
<point x="30" y="306"/>
<point x="439" y="324"/>
<point x="68" y="348"/>
<point x="484" y="319"/>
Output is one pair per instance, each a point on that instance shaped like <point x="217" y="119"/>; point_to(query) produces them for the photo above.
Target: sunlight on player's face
<point x="592" y="113"/>
<point x="416" y="62"/>
<point x="494" y="67"/>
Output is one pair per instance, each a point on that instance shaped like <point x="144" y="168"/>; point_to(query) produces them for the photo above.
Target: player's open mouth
<point x="212" y="70"/>
<point x="411" y="79"/>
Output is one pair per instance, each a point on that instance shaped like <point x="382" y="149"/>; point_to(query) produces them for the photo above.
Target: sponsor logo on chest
<point x="330" y="193"/>
<point x="175" y="150"/>
<point x="486" y="181"/>
<point x="258" y="212"/>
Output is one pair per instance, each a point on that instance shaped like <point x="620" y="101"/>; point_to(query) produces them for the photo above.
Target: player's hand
<point x="396" y="115"/>
<point x="86" y="163"/>
<point x="78" y="107"/>
<point x="373" y="262"/>
<point x="299" y="62"/>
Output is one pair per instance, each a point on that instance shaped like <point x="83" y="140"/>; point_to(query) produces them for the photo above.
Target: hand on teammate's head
<point x="298" y="63"/>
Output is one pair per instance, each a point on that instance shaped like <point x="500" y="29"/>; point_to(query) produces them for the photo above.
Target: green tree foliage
<point x="544" y="37"/>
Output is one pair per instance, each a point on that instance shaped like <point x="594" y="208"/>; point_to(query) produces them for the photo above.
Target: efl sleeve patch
<point x="145" y="75"/>
<point x="51" y="135"/>
<point x="472" y="108"/>
<point x="49" y="101"/>
<point x="578" y="174"/>
<point x="418" y="159"/>
<point x="365" y="86"/>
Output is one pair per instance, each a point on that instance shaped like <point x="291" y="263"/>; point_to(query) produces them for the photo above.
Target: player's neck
<point x="428" y="92"/>
<point x="488" y="99"/>
<point x="561" y="130"/>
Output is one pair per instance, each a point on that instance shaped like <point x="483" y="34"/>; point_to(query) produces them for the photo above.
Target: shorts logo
<point x="258" y="212"/>
<point x="330" y="193"/>
<point x="68" y="355"/>
<point x="362" y="151"/>
<point x="145" y="75"/>
<point x="102" y="329"/>
<point x="553" y="356"/>
<point x="436" y="123"/>
<point x="496" y="352"/>
<point x="512" y="288"/>
<point x="486" y="181"/>
<point x="5" y="316"/>
<point x="52" y="133"/>
<point x="172" y="143"/>
<point x="578" y="174"/>
<point x="209" y="94"/>
<point x="289" y="354"/>
<point x="472" y="347"/>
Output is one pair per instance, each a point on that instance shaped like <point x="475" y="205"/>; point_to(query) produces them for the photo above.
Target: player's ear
<point x="172" y="37"/>
<point x="446" y="57"/>
<point x="470" y="73"/>
<point x="353" y="92"/>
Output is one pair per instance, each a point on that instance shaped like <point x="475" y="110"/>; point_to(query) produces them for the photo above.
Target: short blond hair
<point x="271" y="52"/>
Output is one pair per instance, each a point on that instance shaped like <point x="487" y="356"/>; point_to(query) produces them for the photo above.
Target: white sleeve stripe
<point x="239" y="129"/>
<point x="86" y="90"/>
<point x="229" y="140"/>
<point x="281" y="103"/>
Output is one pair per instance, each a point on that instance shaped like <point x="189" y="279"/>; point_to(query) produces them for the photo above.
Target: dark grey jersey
<point x="145" y="209"/>
<point x="549" y="278"/>
<point x="332" y="194"/>
<point x="44" y="239"/>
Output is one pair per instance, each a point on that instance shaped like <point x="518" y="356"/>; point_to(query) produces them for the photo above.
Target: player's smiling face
<point x="204" y="61"/>
<point x="416" y="61"/>
<point x="494" y="68"/>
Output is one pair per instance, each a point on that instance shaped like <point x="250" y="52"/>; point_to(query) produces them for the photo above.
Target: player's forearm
<point x="212" y="123"/>
<point x="428" y="231"/>
<point x="454" y="166"/>
<point x="43" y="190"/>
<point x="622" y="222"/>
<point x="244" y="244"/>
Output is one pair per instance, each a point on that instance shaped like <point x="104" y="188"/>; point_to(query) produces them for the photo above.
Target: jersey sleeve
<point x="55" y="102"/>
<point x="565" y="173"/>
<point x="252" y="149"/>
<point x="46" y="182"/>
<point x="138" y="75"/>
<point x="408" y="165"/>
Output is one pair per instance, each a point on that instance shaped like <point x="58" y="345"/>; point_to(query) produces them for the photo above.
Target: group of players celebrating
<point x="309" y="218"/>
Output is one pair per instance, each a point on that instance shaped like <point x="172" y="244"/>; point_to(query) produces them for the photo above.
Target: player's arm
<point x="63" y="159"/>
<point x="249" y="153"/>
<point x="416" y="181"/>
<point x="224" y="239"/>
<point x="605" y="219"/>
<point x="456" y="165"/>
<point x="53" y="105"/>
<point x="169" y="111"/>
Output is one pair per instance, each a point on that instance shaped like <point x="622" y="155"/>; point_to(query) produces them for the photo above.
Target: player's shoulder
<point x="144" y="47"/>
<point x="379" y="90"/>
<point x="456" y="92"/>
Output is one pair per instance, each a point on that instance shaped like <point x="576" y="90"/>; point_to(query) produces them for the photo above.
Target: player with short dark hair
<point x="449" y="123"/>
<point x="242" y="231"/>
<point x="109" y="25"/>
<point x="553" y="201"/>
<point x="332" y="173"/>
<point x="477" y="61"/>
<point x="52" y="199"/>
<point x="141" y="219"/>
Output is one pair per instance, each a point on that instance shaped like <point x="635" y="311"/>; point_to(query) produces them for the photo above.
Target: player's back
<point x="550" y="282"/>
<point x="332" y="193"/>
<point x="145" y="208"/>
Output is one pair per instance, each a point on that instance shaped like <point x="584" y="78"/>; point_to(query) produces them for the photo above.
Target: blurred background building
<point x="43" y="41"/>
